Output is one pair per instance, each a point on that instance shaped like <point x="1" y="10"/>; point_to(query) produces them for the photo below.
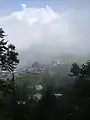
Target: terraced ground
<point x="31" y="79"/>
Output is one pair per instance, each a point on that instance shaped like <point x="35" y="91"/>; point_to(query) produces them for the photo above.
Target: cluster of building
<point x="37" y="95"/>
<point x="30" y="70"/>
<point x="57" y="62"/>
<point x="37" y="69"/>
<point x="27" y="71"/>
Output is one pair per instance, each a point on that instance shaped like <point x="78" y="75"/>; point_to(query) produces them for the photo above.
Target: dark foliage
<point x="8" y="55"/>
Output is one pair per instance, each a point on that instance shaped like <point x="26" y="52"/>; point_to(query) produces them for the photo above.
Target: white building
<point x="38" y="87"/>
<point x="57" y="62"/>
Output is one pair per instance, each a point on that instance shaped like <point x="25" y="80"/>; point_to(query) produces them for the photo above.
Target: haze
<point x="47" y="31"/>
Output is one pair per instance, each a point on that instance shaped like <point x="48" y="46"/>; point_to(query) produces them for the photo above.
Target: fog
<point x="45" y="34"/>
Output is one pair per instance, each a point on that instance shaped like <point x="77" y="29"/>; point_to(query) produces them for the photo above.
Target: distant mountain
<point x="45" y="54"/>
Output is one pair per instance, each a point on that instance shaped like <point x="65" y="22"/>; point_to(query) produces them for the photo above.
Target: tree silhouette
<point x="75" y="70"/>
<point x="8" y="56"/>
<point x="85" y="70"/>
<point x="80" y="92"/>
<point x="82" y="71"/>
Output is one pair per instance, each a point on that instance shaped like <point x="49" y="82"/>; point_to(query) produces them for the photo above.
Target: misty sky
<point x="47" y="25"/>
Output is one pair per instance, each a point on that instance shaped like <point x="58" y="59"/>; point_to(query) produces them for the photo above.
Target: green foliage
<point x="8" y="55"/>
<point x="82" y="71"/>
<point x="12" y="57"/>
<point x="85" y="70"/>
<point x="8" y="62"/>
<point x="75" y="69"/>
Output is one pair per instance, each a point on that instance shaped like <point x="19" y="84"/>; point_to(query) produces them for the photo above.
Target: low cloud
<point x="44" y="29"/>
